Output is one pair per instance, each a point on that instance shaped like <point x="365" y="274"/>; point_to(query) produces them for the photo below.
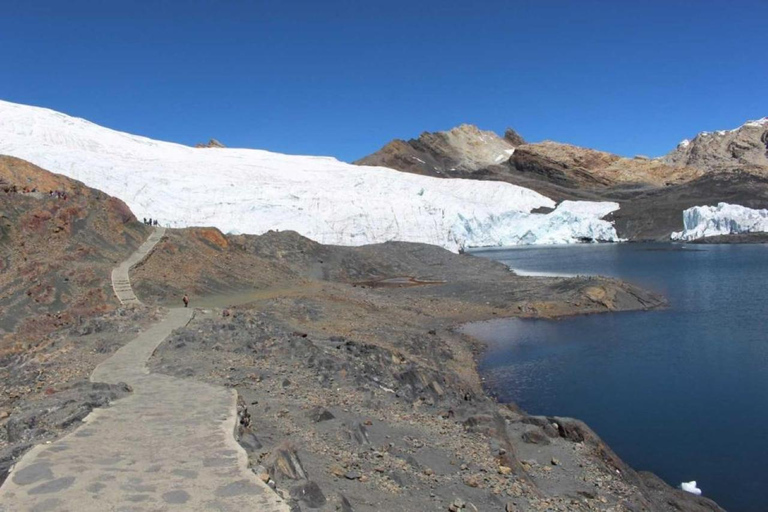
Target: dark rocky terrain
<point x="357" y="390"/>
<point x="725" y="166"/>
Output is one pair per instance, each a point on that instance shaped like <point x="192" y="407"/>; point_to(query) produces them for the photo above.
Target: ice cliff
<point x="723" y="219"/>
<point x="253" y="191"/>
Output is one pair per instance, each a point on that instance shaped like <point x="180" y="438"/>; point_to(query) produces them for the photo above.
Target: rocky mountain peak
<point x="513" y="137"/>
<point x="213" y="143"/>
<point x="743" y="147"/>
<point x="464" y="149"/>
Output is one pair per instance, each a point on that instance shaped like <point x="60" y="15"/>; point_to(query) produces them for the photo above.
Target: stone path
<point x="121" y="283"/>
<point x="168" y="446"/>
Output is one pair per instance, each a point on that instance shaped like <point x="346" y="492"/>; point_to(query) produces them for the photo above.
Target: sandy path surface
<point x="168" y="446"/>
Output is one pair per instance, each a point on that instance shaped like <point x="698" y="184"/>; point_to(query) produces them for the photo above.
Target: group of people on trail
<point x="14" y="189"/>
<point x="150" y="222"/>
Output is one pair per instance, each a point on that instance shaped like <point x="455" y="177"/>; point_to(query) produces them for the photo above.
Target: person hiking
<point x="185" y="299"/>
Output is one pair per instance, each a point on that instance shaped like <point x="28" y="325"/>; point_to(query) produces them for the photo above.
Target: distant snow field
<point x="723" y="219"/>
<point x="253" y="191"/>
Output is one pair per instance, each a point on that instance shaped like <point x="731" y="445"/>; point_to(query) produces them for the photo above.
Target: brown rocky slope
<point x="57" y="250"/>
<point x="745" y="147"/>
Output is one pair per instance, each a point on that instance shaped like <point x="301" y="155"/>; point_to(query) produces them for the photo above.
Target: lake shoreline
<point x="661" y="367"/>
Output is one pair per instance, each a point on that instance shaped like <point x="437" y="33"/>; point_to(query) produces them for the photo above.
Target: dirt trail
<point x="168" y="446"/>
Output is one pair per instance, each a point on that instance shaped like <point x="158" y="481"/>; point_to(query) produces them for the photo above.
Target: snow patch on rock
<point x="758" y="123"/>
<point x="253" y="191"/>
<point x="723" y="219"/>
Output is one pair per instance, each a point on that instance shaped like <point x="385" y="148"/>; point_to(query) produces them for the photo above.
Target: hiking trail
<point x="169" y="445"/>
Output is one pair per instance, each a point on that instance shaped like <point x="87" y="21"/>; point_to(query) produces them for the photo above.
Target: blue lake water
<point x="681" y="392"/>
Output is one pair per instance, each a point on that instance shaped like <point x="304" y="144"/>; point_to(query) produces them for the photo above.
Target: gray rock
<point x="285" y="462"/>
<point x="250" y="442"/>
<point x="346" y="506"/>
<point x="310" y="493"/>
<point x="535" y="437"/>
<point x="358" y="433"/>
<point x="320" y="414"/>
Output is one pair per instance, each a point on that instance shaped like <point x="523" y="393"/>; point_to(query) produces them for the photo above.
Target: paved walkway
<point x="168" y="446"/>
<point x="121" y="283"/>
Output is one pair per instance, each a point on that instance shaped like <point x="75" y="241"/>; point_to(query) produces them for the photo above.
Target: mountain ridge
<point x="652" y="192"/>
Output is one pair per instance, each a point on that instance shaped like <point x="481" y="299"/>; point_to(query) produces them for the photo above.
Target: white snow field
<point x="253" y="191"/>
<point x="723" y="219"/>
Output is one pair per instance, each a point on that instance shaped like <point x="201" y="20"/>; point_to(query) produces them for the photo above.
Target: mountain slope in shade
<point x="745" y="147"/>
<point x="254" y="191"/>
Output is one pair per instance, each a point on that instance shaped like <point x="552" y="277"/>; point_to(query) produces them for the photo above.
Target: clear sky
<point x="342" y="78"/>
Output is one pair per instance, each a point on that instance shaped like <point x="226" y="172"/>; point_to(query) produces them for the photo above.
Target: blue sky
<point x="342" y="78"/>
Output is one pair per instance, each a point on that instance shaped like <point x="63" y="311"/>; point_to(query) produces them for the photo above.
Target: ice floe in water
<point x="723" y="219"/>
<point x="691" y="487"/>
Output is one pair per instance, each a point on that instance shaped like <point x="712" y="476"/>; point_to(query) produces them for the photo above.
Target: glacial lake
<point x="681" y="392"/>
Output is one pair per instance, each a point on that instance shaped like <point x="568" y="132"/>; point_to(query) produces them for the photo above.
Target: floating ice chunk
<point x="723" y="219"/>
<point x="691" y="487"/>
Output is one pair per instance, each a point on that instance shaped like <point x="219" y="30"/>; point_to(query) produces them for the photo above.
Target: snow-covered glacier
<point x="723" y="219"/>
<point x="253" y="191"/>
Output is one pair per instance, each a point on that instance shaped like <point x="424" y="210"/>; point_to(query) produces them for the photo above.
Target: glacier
<point x="254" y="191"/>
<point x="723" y="219"/>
